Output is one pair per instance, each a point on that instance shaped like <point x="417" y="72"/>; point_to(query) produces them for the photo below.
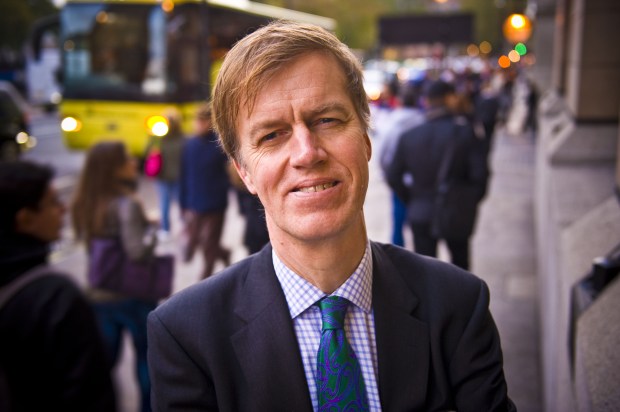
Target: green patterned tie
<point x="340" y="384"/>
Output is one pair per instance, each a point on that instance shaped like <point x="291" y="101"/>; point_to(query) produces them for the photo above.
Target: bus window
<point x="154" y="82"/>
<point x="185" y="39"/>
<point x="115" y="52"/>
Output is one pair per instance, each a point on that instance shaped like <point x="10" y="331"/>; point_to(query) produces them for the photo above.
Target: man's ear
<point x="245" y="176"/>
<point x="25" y="221"/>
<point x="368" y="144"/>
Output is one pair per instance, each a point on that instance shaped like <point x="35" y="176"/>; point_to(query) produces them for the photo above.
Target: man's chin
<point x="316" y="230"/>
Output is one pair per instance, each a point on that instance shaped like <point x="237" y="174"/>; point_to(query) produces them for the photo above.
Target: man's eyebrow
<point x="269" y="124"/>
<point x="261" y="127"/>
<point x="329" y="107"/>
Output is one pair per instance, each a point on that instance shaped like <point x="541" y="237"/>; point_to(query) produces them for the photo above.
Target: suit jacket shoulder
<point x="437" y="345"/>
<point x="228" y="344"/>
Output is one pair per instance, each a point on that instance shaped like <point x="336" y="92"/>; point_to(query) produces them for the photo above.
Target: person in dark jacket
<point x="414" y="172"/>
<point x="51" y="352"/>
<point x="399" y="121"/>
<point x="255" y="234"/>
<point x="204" y="188"/>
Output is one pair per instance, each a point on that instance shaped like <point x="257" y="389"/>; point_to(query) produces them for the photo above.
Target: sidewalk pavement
<point x="503" y="254"/>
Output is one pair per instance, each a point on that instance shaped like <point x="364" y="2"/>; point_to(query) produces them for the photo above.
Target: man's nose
<point x="306" y="148"/>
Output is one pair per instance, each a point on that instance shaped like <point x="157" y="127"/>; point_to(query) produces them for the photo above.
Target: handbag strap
<point x="11" y="289"/>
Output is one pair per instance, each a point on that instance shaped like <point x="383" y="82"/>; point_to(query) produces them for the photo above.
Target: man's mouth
<point x="316" y="188"/>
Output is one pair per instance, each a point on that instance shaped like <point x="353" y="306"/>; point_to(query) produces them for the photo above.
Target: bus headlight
<point x="70" y="124"/>
<point x="157" y="125"/>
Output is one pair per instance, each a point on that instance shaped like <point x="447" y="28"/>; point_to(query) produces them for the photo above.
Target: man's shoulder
<point x="196" y="146"/>
<point x="42" y="288"/>
<point x="46" y="277"/>
<point x="419" y="130"/>
<point x="192" y="143"/>
<point x="415" y="261"/>
<point x="220" y="292"/>
<point x="423" y="274"/>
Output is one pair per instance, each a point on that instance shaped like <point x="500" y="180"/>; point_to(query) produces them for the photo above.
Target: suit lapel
<point x="267" y="347"/>
<point x="402" y="340"/>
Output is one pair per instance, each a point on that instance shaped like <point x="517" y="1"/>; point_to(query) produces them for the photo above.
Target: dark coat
<point x="228" y="343"/>
<point x="204" y="179"/>
<point x="414" y="171"/>
<point x="51" y="350"/>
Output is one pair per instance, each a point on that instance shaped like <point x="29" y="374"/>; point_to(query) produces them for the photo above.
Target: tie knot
<point x="333" y="310"/>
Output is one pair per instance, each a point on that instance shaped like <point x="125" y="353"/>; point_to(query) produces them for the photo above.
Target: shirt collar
<point x="301" y="294"/>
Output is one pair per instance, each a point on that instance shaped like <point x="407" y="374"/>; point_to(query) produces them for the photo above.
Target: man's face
<point x="45" y="222"/>
<point x="304" y="152"/>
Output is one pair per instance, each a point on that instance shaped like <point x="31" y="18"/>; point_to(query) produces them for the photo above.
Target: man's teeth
<point x="316" y="188"/>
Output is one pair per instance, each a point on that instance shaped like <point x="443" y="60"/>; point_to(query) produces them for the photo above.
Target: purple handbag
<point x="110" y="268"/>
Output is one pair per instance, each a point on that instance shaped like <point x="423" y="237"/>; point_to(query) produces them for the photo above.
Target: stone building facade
<point x="577" y="203"/>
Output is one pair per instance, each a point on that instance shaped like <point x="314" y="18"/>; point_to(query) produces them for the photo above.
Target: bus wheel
<point x="9" y="150"/>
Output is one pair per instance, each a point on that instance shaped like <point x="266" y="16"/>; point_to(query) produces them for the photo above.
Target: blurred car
<point x="14" y="123"/>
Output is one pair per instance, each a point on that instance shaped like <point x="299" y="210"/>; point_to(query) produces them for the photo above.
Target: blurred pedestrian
<point x="255" y="234"/>
<point x="403" y="118"/>
<point x="531" y="122"/>
<point x="505" y="80"/>
<point x="170" y="147"/>
<point x="106" y="206"/>
<point x="487" y="106"/>
<point x="388" y="99"/>
<point x="52" y="355"/>
<point x="382" y="108"/>
<point x="204" y="194"/>
<point x="475" y="103"/>
<point x="419" y="157"/>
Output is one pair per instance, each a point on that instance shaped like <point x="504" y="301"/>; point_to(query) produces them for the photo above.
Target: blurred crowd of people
<point x="196" y="174"/>
<point x="441" y="120"/>
<point x="41" y="310"/>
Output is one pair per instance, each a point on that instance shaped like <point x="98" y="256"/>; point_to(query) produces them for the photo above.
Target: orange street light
<point x="517" y="28"/>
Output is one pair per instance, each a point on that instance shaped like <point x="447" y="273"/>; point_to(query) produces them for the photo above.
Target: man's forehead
<point x="276" y="85"/>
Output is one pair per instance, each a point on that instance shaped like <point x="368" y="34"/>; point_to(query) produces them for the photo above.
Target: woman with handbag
<point x="105" y="207"/>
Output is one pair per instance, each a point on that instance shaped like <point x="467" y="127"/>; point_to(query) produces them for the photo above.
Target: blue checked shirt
<point x="359" y="324"/>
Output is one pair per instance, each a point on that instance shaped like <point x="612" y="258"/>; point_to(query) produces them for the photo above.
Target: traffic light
<point x="521" y="49"/>
<point x="517" y="28"/>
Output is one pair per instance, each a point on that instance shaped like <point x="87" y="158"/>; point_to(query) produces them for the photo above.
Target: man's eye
<point x="269" y="137"/>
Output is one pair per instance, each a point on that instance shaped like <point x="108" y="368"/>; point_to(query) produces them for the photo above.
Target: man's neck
<point x="328" y="263"/>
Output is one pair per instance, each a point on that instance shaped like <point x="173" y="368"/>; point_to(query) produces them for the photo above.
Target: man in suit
<point x="414" y="173"/>
<point x="291" y="112"/>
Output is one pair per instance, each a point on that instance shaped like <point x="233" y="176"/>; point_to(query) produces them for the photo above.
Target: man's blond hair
<point x="258" y="56"/>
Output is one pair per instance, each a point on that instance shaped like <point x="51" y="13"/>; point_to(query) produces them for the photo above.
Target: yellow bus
<point x="124" y="62"/>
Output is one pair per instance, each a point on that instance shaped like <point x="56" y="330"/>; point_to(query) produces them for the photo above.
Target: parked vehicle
<point x="14" y="123"/>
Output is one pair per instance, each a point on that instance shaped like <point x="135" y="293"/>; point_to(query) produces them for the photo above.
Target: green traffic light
<point x="521" y="49"/>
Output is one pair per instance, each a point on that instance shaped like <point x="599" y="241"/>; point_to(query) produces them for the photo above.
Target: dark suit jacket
<point x="419" y="154"/>
<point x="228" y="343"/>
